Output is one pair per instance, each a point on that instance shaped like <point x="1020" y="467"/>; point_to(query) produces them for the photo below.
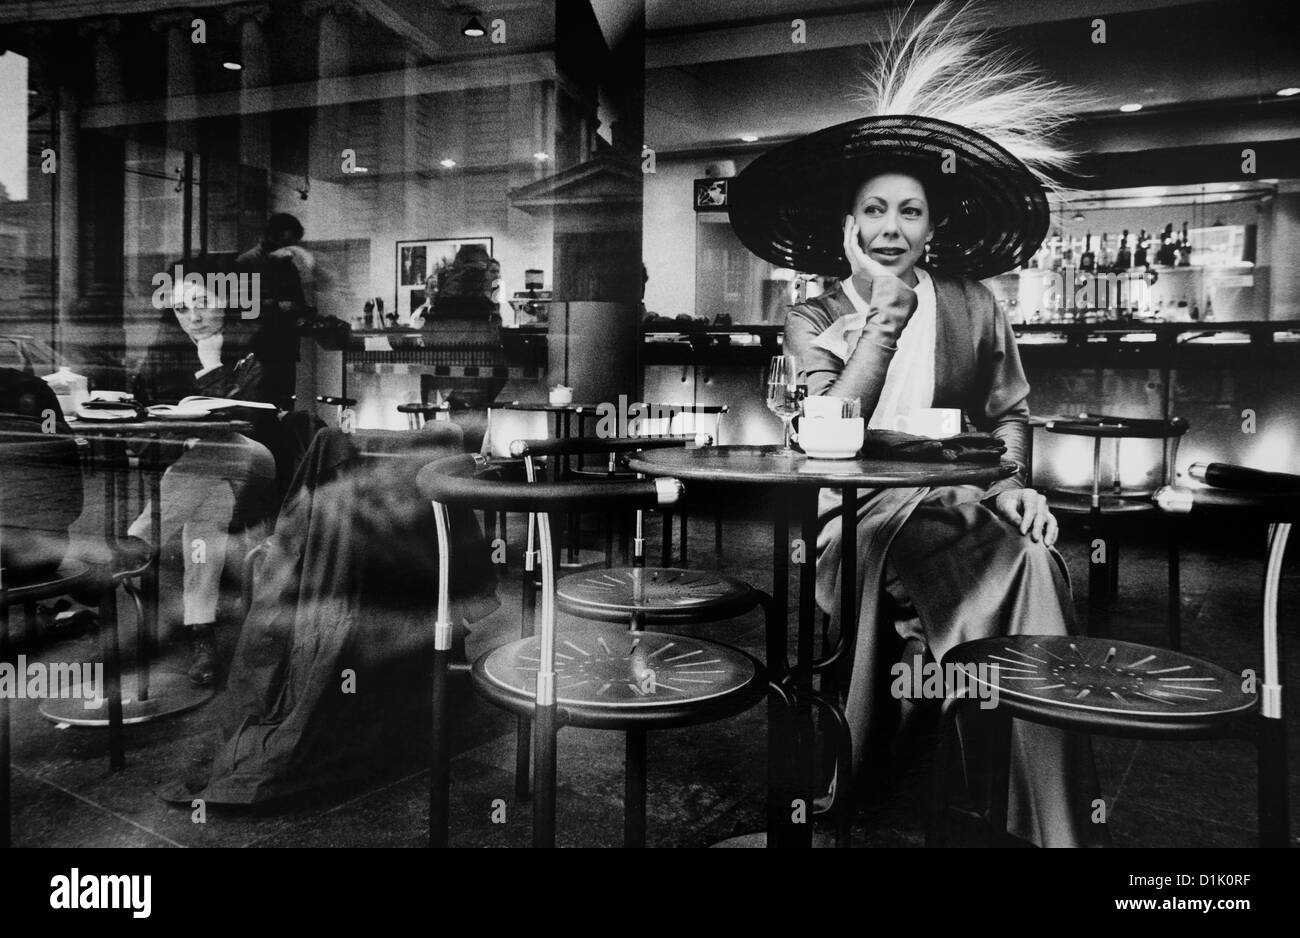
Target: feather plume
<point x="948" y="67"/>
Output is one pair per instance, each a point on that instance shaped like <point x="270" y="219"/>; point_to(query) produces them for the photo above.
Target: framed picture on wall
<point x="419" y="260"/>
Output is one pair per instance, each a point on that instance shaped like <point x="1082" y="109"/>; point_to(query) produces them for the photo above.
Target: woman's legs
<point x="214" y="483"/>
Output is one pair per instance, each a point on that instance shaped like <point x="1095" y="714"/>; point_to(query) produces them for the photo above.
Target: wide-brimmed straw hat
<point x="972" y="124"/>
<point x="991" y="212"/>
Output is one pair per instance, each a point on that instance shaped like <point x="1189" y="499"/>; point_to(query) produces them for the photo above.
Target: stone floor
<point x="706" y="783"/>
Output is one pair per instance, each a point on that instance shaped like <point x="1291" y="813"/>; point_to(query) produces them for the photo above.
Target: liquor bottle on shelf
<point x="1105" y="257"/>
<point x="1067" y="252"/>
<point x="1088" y="260"/>
<point x="1209" y="310"/>
<point x="1140" y="252"/>
<point x="1054" y="248"/>
<point x="1123" y="257"/>
<point x="1184" y="249"/>
<point x="1166" y="256"/>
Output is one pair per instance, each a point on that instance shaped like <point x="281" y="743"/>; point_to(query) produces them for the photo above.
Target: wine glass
<point x="784" y="392"/>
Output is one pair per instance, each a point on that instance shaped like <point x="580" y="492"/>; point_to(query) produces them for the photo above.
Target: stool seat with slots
<point x="589" y="675"/>
<point x="661" y="595"/>
<point x="1101" y="685"/>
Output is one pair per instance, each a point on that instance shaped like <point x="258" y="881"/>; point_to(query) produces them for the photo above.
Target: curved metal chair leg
<point x="108" y="644"/>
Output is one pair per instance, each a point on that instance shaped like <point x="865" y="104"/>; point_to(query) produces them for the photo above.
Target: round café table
<point x="145" y="696"/>
<point x="796" y="479"/>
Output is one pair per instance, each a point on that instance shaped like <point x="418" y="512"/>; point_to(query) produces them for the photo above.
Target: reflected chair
<point x="1097" y="685"/>
<point x="603" y="677"/>
<point x="340" y="405"/>
<point x="659" y="421"/>
<point x="1103" y="510"/>
<point x="418" y="413"/>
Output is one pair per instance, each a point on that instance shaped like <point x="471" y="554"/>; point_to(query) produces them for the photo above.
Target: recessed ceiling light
<point x="1130" y="108"/>
<point x="748" y="138"/>
<point x="474" y="28"/>
<point x="361" y="169"/>
<point x="447" y="163"/>
<point x="541" y="157"/>
<point x="232" y="66"/>
<point x="1287" y="92"/>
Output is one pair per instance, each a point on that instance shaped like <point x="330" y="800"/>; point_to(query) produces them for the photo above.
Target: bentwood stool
<point x="340" y="404"/>
<point x="131" y="558"/>
<point x="594" y="676"/>
<point x="1103" y="510"/>
<point x="636" y="597"/>
<point x="1123" y="689"/>
<point x="418" y="413"/>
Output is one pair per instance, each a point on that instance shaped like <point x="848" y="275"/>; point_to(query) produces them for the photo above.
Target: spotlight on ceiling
<point x="447" y="163"/>
<point x="748" y="138"/>
<point x="231" y="66"/>
<point x="474" y="28"/>
<point x="1287" y="92"/>
<point x="1130" y="108"/>
<point x="1077" y="216"/>
<point x="541" y="157"/>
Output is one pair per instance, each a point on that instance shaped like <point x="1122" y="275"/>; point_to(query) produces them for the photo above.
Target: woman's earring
<point x="926" y="258"/>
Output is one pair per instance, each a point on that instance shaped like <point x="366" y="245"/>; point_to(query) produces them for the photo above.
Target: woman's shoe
<point x="203" y="656"/>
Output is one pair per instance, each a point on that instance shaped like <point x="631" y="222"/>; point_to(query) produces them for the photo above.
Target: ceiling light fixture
<point x="748" y="138"/>
<point x="1287" y="92"/>
<point x="541" y="157"/>
<point x="232" y="66"/>
<point x="474" y="28"/>
<point x="447" y="163"/>
<point x="1130" y="108"/>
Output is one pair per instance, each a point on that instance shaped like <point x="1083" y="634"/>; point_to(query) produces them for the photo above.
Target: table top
<point x="126" y="428"/>
<point x="768" y="465"/>
<point x="574" y="408"/>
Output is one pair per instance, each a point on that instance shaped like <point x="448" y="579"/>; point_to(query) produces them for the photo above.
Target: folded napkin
<point x="964" y="447"/>
<point x="840" y="338"/>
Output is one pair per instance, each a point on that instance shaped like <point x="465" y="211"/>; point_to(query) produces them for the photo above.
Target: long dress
<point x="967" y="573"/>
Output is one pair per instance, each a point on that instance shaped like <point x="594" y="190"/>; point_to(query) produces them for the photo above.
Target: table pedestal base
<point x="169" y="694"/>
<point x="759" y="839"/>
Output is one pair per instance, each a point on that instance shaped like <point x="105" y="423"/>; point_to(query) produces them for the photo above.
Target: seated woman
<point x="912" y="211"/>
<point x="224" y="481"/>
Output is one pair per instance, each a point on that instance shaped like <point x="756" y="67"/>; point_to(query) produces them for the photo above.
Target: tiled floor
<point x="706" y="782"/>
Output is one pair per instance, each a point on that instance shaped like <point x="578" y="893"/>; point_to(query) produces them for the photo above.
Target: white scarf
<point x="909" y="382"/>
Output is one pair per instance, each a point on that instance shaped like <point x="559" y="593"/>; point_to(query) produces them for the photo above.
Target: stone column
<point x="176" y="25"/>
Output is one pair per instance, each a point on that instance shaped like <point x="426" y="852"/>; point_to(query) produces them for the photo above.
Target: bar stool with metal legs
<point x="1104" y="509"/>
<point x="418" y="413"/>
<point x="1123" y="689"/>
<point x="604" y="678"/>
<point x="640" y="597"/>
<point x="340" y="405"/>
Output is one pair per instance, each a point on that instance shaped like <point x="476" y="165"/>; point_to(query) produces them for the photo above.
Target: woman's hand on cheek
<point x="1028" y="511"/>
<point x="209" y="349"/>
<point x="860" y="262"/>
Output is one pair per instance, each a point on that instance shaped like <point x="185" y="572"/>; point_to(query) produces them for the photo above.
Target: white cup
<point x="934" y="422"/>
<point x="821" y="407"/>
<point x="561" y="395"/>
<point x="831" y="437"/>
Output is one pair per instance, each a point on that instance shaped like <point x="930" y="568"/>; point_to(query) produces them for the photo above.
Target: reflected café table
<point x="149" y="446"/>
<point x="772" y="468"/>
<point x="573" y="556"/>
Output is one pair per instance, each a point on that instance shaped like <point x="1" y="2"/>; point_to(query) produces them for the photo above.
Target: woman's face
<point x="894" y="221"/>
<point x="197" y="315"/>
